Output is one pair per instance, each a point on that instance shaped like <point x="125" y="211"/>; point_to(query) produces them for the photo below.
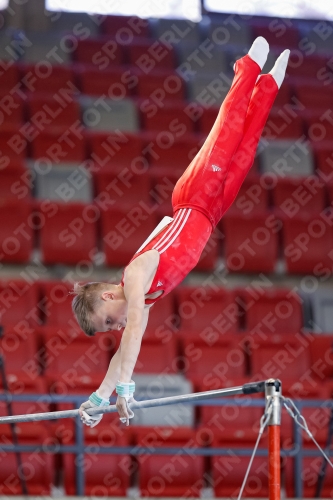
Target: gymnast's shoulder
<point x="140" y="273"/>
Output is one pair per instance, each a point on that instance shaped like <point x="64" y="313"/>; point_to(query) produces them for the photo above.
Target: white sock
<point x="259" y="51"/>
<point x="279" y="69"/>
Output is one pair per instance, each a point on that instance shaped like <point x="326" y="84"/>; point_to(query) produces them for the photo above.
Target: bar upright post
<point x="273" y="391"/>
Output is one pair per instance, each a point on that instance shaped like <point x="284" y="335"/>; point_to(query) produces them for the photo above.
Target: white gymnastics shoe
<point x="259" y="51"/>
<point x="279" y="69"/>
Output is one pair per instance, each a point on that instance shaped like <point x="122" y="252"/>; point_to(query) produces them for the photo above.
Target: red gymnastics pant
<point x="211" y="182"/>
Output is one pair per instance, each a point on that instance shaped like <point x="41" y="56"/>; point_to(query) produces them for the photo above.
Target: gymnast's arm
<point x="137" y="319"/>
<point x="112" y="376"/>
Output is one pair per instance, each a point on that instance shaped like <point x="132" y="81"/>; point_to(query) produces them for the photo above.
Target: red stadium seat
<point x="60" y="80"/>
<point x="308" y="241"/>
<point x="163" y="181"/>
<point x="12" y="145"/>
<point x="124" y="28"/>
<point x="314" y="96"/>
<point x="123" y="232"/>
<point x="108" y="433"/>
<point x="9" y="76"/>
<point x="316" y="417"/>
<point x="20" y="357"/>
<point x="157" y="436"/>
<point x="251" y="243"/>
<point x="286" y="37"/>
<point x="74" y="364"/>
<point x="321" y="353"/>
<point x="19" y="306"/>
<point x="271" y="310"/>
<point x="159" y="475"/>
<point x="159" y="86"/>
<point x="281" y="126"/>
<point x="229" y="472"/>
<point x="28" y="385"/>
<point x="16" y="233"/>
<point x="208" y="313"/>
<point x="231" y="425"/>
<point x="58" y="303"/>
<point x="61" y="144"/>
<point x="11" y="109"/>
<point x="207" y="119"/>
<point x="157" y="357"/>
<point x="211" y="252"/>
<point x="26" y="430"/>
<point x="330" y="192"/>
<point x="324" y="161"/>
<point x="106" y="475"/>
<point x="161" y="320"/>
<point x="299" y="196"/>
<point x="14" y="183"/>
<point x="99" y="52"/>
<point x="283" y="99"/>
<point x="51" y="336"/>
<point x="213" y="366"/>
<point x="311" y="467"/>
<point x="64" y="332"/>
<point x="115" y="82"/>
<point x="175" y="153"/>
<point x="141" y="53"/>
<point x="252" y="197"/>
<point x="171" y="117"/>
<point x="83" y="387"/>
<point x="109" y="150"/>
<point x="125" y="189"/>
<point x="305" y="67"/>
<point x="290" y="358"/>
<point x="36" y="469"/>
<point x="49" y="113"/>
<point x="319" y="126"/>
<point x="69" y="236"/>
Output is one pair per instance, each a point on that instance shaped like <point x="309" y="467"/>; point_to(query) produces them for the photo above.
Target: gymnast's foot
<point x="279" y="69"/>
<point x="259" y="51"/>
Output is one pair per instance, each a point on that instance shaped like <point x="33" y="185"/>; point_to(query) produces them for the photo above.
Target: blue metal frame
<point x="297" y="451"/>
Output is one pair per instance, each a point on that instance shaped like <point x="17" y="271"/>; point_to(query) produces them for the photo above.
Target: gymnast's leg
<point x="203" y="180"/>
<point x="261" y="103"/>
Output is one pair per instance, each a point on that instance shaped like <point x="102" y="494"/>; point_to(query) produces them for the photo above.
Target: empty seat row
<point x="172" y="147"/>
<point x="26" y="306"/>
<point x="111" y="474"/>
<point x="70" y="233"/>
<point x="210" y="359"/>
<point x="125" y="32"/>
<point x="159" y="95"/>
<point x="72" y="182"/>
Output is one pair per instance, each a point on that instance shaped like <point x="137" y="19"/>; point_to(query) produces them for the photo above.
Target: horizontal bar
<point x="152" y="403"/>
<point x="75" y="399"/>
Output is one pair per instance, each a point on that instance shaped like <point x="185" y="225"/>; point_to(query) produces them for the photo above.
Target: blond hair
<point x="84" y="304"/>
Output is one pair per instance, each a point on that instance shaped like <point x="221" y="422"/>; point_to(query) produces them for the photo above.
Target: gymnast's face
<point x="110" y="313"/>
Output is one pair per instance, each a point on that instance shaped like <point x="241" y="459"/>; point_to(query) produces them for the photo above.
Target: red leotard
<point x="180" y="245"/>
<point x="211" y="182"/>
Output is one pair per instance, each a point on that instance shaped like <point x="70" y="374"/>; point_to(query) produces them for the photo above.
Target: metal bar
<point x="184" y="398"/>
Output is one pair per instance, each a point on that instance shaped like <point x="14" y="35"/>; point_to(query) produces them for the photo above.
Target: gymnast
<point x="200" y="198"/>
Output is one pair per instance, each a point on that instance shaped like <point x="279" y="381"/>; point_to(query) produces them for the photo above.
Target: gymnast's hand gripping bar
<point x="250" y="388"/>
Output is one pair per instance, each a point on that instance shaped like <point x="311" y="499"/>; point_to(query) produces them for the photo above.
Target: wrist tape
<point x="125" y="389"/>
<point x="96" y="400"/>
